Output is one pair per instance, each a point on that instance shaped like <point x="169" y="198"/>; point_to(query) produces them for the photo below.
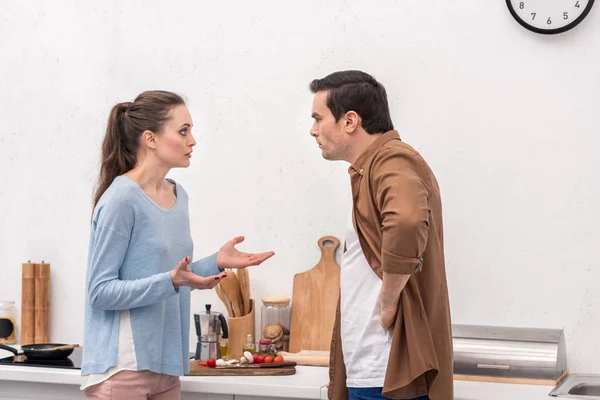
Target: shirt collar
<point x="364" y="159"/>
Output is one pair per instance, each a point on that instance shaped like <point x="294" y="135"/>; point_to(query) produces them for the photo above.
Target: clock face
<point x="549" y="16"/>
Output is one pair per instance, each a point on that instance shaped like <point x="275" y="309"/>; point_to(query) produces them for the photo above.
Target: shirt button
<point x="361" y="171"/>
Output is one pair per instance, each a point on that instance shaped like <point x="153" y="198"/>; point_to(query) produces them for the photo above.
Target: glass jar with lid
<point x="275" y="321"/>
<point x="8" y="328"/>
<point x="266" y="347"/>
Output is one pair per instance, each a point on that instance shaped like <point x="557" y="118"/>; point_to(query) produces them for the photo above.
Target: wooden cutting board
<point x="199" y="370"/>
<point x="314" y="301"/>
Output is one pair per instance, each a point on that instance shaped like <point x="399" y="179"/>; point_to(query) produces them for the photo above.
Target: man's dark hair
<point x="360" y="92"/>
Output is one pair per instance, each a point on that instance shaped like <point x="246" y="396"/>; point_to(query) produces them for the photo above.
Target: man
<point x="392" y="337"/>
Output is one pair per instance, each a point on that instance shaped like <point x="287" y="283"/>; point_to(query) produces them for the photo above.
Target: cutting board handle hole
<point x="329" y="243"/>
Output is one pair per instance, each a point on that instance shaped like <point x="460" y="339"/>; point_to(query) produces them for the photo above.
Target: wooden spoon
<point x="223" y="296"/>
<point x="244" y="282"/>
<point x="231" y="287"/>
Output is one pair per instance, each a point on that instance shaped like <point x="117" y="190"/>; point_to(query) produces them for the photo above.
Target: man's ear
<point x="149" y="139"/>
<point x="352" y="121"/>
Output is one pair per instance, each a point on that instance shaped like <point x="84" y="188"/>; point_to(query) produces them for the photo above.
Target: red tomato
<point x="278" y="359"/>
<point x="260" y="359"/>
<point x="255" y="358"/>
<point x="269" y="359"/>
<point x="211" y="363"/>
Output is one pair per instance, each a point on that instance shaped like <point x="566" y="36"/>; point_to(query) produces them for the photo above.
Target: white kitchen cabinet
<point x="206" y="396"/>
<point x="47" y="391"/>
<point x="10" y="390"/>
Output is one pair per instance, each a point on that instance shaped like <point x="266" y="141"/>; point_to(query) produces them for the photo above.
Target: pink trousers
<point x="136" y="385"/>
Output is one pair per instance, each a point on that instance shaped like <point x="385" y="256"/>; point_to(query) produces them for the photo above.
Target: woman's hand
<point x="230" y="257"/>
<point x="182" y="276"/>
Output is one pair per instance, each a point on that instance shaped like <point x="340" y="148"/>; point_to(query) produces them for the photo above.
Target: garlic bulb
<point x="221" y="363"/>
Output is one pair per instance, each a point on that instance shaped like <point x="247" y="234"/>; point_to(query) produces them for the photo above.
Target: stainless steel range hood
<point x="509" y="352"/>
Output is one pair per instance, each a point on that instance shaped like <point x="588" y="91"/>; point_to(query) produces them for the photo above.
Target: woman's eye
<point x="183" y="132"/>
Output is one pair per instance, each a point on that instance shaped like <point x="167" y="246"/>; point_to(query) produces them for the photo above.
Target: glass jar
<point x="275" y="321"/>
<point x="266" y="347"/>
<point x="8" y="328"/>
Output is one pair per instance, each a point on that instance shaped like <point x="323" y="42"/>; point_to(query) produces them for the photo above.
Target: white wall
<point x="505" y="117"/>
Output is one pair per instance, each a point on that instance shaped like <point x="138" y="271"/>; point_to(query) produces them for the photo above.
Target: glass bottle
<point x="8" y="334"/>
<point x="249" y="346"/>
<point x="223" y="346"/>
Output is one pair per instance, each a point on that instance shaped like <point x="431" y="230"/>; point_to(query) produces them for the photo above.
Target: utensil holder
<point x="239" y="328"/>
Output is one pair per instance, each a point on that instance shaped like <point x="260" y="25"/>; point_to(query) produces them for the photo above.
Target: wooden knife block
<point x="239" y="328"/>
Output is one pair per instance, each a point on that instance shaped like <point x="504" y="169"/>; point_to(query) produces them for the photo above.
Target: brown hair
<point x="126" y="123"/>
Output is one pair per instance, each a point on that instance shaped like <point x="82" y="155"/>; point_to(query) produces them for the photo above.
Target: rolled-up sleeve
<point x="402" y="198"/>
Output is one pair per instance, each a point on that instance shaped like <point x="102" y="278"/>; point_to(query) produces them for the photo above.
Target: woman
<point x="139" y="276"/>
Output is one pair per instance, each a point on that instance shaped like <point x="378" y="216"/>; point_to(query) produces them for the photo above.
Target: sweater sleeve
<point x="206" y="266"/>
<point x="112" y="229"/>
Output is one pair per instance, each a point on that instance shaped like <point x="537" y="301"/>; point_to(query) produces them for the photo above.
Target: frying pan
<point x="43" y="351"/>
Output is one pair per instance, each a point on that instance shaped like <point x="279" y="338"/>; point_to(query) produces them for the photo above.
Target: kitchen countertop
<point x="307" y="383"/>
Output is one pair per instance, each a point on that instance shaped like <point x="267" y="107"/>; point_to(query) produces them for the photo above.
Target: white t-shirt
<point x="365" y="344"/>
<point x="127" y="359"/>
